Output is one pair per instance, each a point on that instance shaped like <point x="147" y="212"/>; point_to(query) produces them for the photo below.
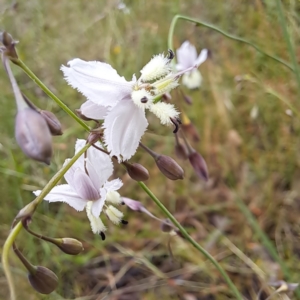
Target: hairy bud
<point x="33" y="135"/>
<point x="137" y="171"/>
<point x="52" y="122"/>
<point x="69" y="245"/>
<point x="199" y="165"/>
<point x="169" y="167"/>
<point x="43" y="280"/>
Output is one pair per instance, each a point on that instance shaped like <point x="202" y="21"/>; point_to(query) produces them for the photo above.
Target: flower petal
<point x="124" y="126"/>
<point x="97" y="206"/>
<point x="84" y="186"/>
<point x="98" y="81"/>
<point x="202" y="57"/>
<point x="93" y="111"/>
<point x="113" y="185"/>
<point x="64" y="193"/>
<point x="186" y="56"/>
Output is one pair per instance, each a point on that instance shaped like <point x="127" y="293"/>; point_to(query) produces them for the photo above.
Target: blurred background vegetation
<point x="249" y="139"/>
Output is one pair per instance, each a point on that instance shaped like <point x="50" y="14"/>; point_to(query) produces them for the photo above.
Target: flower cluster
<point x="122" y="104"/>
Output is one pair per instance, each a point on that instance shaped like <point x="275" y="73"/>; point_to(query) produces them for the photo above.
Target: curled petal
<point x="186" y="56"/>
<point x="97" y="81"/>
<point x="202" y="57"/>
<point x="93" y="110"/>
<point x="124" y="126"/>
<point x="64" y="193"/>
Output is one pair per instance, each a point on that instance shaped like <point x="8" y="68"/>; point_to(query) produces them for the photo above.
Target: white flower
<point x="120" y="103"/>
<point x="187" y="57"/>
<point x="88" y="186"/>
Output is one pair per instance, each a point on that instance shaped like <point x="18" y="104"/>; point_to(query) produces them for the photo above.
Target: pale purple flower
<point x="88" y="187"/>
<point x="121" y="103"/>
<point x="186" y="58"/>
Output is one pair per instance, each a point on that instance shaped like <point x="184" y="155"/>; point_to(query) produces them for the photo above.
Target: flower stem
<point x="63" y="106"/>
<point x="230" y="36"/>
<point x="192" y="241"/>
<point x="16" y="230"/>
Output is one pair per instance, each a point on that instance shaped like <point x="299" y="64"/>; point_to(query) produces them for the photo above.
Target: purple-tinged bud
<point x="199" y="165"/>
<point x="190" y="130"/>
<point x="187" y="99"/>
<point x="94" y="137"/>
<point x="9" y="43"/>
<point x="181" y="150"/>
<point x="81" y="115"/>
<point x="166" y="225"/>
<point x="136" y="171"/>
<point x="43" y="280"/>
<point x="133" y="204"/>
<point x="52" y="122"/>
<point x="33" y="135"/>
<point x="169" y="167"/>
<point x="69" y="245"/>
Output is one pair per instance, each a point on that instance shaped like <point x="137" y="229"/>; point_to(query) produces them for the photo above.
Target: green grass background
<point x="254" y="160"/>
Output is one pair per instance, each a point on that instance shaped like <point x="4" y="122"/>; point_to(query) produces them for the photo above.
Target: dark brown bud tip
<point x="199" y="165"/>
<point x="137" y="171"/>
<point x="169" y="167"/>
<point x="69" y="245"/>
<point x="9" y="43"/>
<point x="33" y="135"/>
<point x="52" y="122"/>
<point x="43" y="280"/>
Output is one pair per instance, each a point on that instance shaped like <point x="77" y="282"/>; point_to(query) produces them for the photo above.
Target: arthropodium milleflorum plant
<point x="120" y="105"/>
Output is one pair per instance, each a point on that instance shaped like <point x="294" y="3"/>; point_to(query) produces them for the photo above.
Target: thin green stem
<point x="288" y="41"/>
<point x="16" y="230"/>
<point x="63" y="106"/>
<point x="192" y="241"/>
<point x="230" y="36"/>
<point x="265" y="240"/>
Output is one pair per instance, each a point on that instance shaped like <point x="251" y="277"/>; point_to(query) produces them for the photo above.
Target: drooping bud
<point x="136" y="171"/>
<point x="69" y="245"/>
<point x="33" y="135"/>
<point x="43" y="280"/>
<point x="52" y="122"/>
<point x="199" y="165"/>
<point x="181" y="150"/>
<point x="27" y="210"/>
<point x="9" y="43"/>
<point x="169" y="167"/>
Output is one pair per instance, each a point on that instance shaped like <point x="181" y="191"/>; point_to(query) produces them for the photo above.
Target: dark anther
<point x="144" y="100"/>
<point x="122" y="203"/>
<point x="124" y="222"/>
<point x="102" y="236"/>
<point x="176" y="123"/>
<point x="171" y="54"/>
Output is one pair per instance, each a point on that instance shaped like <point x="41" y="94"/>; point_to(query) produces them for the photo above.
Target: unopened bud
<point x="9" y="43"/>
<point x="52" y="122"/>
<point x="181" y="150"/>
<point x="27" y="210"/>
<point x="199" y="165"/>
<point x="137" y="171"/>
<point x="69" y="245"/>
<point x="94" y="137"/>
<point x="169" y="167"/>
<point x="190" y="130"/>
<point x="33" y="135"/>
<point x="166" y="225"/>
<point x="43" y="280"/>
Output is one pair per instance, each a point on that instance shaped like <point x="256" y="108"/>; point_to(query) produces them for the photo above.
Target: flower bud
<point x="43" y="280"/>
<point x="52" y="122"/>
<point x="181" y="151"/>
<point x="27" y="210"/>
<point x="169" y="167"/>
<point x="69" y="245"/>
<point x="9" y="43"/>
<point x="33" y="135"/>
<point x="137" y="171"/>
<point x="166" y="225"/>
<point x="199" y="165"/>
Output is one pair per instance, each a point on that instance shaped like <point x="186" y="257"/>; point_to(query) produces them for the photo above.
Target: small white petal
<point x="141" y="98"/>
<point x="113" y="197"/>
<point x="97" y="81"/>
<point x="202" y="57"/>
<point x="96" y="223"/>
<point x="164" y="111"/>
<point x="114" y="214"/>
<point x="97" y="206"/>
<point x="113" y="185"/>
<point x="93" y="111"/>
<point x="64" y="193"/>
<point x="124" y="126"/>
<point x="157" y="67"/>
<point x="192" y="80"/>
<point x="186" y="56"/>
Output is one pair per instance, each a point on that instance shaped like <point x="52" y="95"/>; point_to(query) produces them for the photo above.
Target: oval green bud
<point x="69" y="245"/>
